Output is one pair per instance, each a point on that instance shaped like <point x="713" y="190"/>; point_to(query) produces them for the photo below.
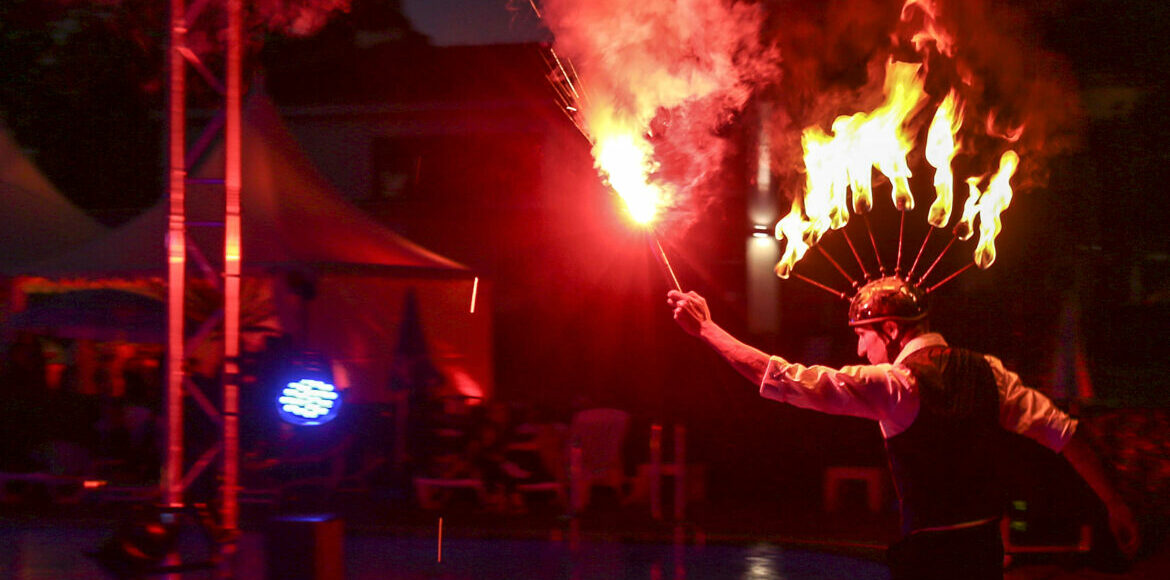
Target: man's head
<point x="886" y="313"/>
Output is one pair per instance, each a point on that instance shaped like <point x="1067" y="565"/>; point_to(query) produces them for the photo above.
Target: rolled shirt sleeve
<point x="888" y="394"/>
<point x="1028" y="412"/>
<point x="867" y="391"/>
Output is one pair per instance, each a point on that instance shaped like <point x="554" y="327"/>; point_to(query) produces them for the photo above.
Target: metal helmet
<point x="888" y="298"/>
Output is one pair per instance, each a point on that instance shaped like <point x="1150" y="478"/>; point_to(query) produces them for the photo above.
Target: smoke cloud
<point x="297" y="17"/>
<point x="677" y="70"/>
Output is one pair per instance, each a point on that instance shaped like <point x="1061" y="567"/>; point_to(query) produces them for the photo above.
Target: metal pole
<point x="176" y="244"/>
<point x="231" y="299"/>
<point x="656" y="471"/>
<point x="680" y="473"/>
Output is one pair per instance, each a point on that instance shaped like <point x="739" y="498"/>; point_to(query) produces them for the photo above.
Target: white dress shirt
<point x="888" y="394"/>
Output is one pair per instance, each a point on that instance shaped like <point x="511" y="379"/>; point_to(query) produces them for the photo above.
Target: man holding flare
<point x="939" y="408"/>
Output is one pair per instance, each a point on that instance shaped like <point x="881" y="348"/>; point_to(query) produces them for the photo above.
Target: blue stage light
<point x="309" y="396"/>
<point x="309" y="402"/>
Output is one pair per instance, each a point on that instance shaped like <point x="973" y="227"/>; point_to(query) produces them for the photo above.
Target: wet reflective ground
<point x="54" y="551"/>
<point x="506" y="559"/>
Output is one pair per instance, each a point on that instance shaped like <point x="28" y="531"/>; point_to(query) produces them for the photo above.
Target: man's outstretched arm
<point x="692" y="314"/>
<point x="1086" y="463"/>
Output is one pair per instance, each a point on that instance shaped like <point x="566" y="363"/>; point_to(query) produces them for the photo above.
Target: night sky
<point x="475" y="22"/>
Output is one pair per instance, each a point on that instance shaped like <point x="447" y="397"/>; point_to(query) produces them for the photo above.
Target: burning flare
<point x="693" y="61"/>
<point x="624" y="160"/>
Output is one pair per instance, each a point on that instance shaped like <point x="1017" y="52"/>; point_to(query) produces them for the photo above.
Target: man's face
<point x="871" y="345"/>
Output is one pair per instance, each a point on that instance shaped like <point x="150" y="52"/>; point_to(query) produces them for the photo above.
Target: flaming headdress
<point x="839" y="165"/>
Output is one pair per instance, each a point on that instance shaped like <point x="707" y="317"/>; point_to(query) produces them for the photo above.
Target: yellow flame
<point x="888" y="140"/>
<point x="826" y="185"/>
<point x="844" y="161"/>
<point x="940" y="151"/>
<point x="994" y="201"/>
<point x="988" y="206"/>
<point x="966" y="226"/>
<point x="861" y="142"/>
<point x="791" y="227"/>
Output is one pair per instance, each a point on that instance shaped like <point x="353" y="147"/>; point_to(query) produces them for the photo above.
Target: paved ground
<point x="384" y="541"/>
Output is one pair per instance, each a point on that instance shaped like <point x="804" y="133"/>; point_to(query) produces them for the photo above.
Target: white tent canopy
<point x="295" y="225"/>
<point x="38" y="221"/>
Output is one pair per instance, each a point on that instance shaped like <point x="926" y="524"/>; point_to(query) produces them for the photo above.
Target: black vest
<point x="944" y="464"/>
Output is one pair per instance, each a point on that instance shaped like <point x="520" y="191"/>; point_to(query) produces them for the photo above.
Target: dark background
<point x="579" y="298"/>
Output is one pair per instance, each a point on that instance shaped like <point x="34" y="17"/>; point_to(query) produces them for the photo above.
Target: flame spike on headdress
<point x="951" y="277"/>
<point x="857" y="257"/>
<point x="824" y="287"/>
<point x="922" y="248"/>
<point x="901" y="231"/>
<point x="922" y="278"/>
<point x="873" y="242"/>
<point x="852" y="283"/>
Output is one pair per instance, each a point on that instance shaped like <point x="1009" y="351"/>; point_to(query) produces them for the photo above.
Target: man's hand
<point x="690" y="310"/>
<point x="691" y="313"/>
<point x="1086" y="462"/>
<point x="1124" y="528"/>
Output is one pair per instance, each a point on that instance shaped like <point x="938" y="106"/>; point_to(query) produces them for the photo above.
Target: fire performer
<point x="937" y="407"/>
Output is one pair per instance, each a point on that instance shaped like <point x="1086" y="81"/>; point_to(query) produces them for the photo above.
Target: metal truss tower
<point x="175" y="476"/>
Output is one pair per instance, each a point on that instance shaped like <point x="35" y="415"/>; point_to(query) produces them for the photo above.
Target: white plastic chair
<point x="596" y="438"/>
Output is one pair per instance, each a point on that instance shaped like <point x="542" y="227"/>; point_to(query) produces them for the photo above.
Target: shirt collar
<point x="920" y="342"/>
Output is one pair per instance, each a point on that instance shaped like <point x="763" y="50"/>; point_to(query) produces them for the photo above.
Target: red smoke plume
<point x="673" y="71"/>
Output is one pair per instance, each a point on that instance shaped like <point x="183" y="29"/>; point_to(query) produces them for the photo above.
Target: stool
<point x="306" y="547"/>
<point x="835" y="476"/>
